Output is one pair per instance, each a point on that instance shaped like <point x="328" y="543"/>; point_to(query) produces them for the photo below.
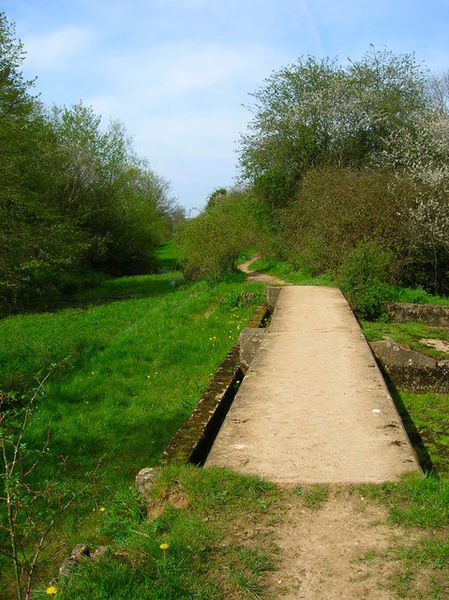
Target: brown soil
<point x="258" y="275"/>
<point x="335" y="552"/>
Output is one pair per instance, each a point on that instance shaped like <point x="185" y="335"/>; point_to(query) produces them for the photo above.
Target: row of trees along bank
<point x="75" y="200"/>
<point x="344" y="170"/>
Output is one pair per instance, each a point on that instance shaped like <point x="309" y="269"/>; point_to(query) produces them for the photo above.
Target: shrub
<point x="337" y="208"/>
<point x="365" y="275"/>
<point x="210" y="243"/>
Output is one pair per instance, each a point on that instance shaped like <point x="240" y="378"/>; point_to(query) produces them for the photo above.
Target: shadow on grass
<point x="113" y="290"/>
<point x="166" y="279"/>
<point x="415" y="437"/>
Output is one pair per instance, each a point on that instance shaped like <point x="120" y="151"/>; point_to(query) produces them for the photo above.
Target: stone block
<point x="272" y="295"/>
<point x="250" y="340"/>
<point x="411" y="370"/>
<point x="145" y="481"/>
<point x="431" y="314"/>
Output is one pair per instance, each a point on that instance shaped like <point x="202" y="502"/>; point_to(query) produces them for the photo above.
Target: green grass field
<point x="129" y="373"/>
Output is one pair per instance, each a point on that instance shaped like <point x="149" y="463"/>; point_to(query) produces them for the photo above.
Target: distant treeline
<point x="75" y="200"/>
<point x="345" y="171"/>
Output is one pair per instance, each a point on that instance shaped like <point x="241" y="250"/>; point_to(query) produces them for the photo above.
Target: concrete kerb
<point x="432" y="314"/>
<point x="194" y="439"/>
<point x="411" y="370"/>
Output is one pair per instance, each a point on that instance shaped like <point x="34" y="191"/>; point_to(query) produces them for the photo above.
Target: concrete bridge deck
<point x="313" y="407"/>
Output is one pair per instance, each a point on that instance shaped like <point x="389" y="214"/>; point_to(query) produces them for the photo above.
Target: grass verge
<point x="407" y="334"/>
<point x="207" y="537"/>
<point x="288" y="273"/>
<point x="419" y="568"/>
<point x="130" y="372"/>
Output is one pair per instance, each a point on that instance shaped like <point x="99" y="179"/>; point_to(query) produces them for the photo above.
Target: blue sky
<point x="178" y="72"/>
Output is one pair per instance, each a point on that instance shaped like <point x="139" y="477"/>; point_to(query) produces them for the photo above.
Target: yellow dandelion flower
<point x="163" y="546"/>
<point x="92" y="373"/>
<point x="51" y="591"/>
<point x="102" y="509"/>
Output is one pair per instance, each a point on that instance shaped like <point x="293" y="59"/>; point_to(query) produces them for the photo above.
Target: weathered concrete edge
<point x="411" y="370"/>
<point x="191" y="441"/>
<point x="431" y="314"/>
<point x="395" y="408"/>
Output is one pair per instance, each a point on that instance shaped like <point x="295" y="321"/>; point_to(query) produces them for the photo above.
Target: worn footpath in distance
<point x="313" y="407"/>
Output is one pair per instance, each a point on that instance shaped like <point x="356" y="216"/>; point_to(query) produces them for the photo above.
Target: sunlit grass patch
<point x="313" y="496"/>
<point x="289" y="273"/>
<point x="187" y="548"/>
<point x="407" y="334"/>
<point x="131" y="372"/>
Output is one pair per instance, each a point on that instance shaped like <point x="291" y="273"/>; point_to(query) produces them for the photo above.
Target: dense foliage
<point x="341" y="159"/>
<point x="73" y="195"/>
<point x="210" y="243"/>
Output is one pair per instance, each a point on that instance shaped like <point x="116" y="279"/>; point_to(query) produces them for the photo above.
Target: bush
<point x="337" y="208"/>
<point x="365" y="275"/>
<point x="210" y="243"/>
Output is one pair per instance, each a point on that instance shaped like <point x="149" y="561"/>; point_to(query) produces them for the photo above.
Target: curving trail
<point x="258" y="275"/>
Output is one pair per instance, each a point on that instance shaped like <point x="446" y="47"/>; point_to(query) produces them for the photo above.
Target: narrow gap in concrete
<point x="202" y="449"/>
<point x="266" y="319"/>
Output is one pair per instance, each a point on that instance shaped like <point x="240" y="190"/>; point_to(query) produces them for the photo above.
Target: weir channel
<point x="313" y="406"/>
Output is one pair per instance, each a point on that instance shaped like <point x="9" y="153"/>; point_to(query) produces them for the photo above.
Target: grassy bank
<point x="209" y="536"/>
<point x="288" y="273"/>
<point x="128" y="374"/>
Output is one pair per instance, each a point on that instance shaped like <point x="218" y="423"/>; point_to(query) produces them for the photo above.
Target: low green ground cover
<point x="428" y="414"/>
<point x="421" y="505"/>
<point x="407" y="334"/>
<point x="191" y="545"/>
<point x="129" y="373"/>
<point x="288" y="273"/>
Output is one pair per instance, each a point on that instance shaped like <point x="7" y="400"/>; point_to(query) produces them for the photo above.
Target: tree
<point x="317" y="113"/>
<point x="73" y="194"/>
<point x="33" y="235"/>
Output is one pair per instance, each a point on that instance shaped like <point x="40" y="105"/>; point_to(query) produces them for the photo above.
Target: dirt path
<point x="341" y="551"/>
<point x="258" y="275"/>
<point x="313" y="407"/>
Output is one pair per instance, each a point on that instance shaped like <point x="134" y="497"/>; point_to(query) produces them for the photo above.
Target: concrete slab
<point x="313" y="407"/>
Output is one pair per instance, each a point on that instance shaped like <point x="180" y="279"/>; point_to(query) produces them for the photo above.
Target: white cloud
<point x="55" y="50"/>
